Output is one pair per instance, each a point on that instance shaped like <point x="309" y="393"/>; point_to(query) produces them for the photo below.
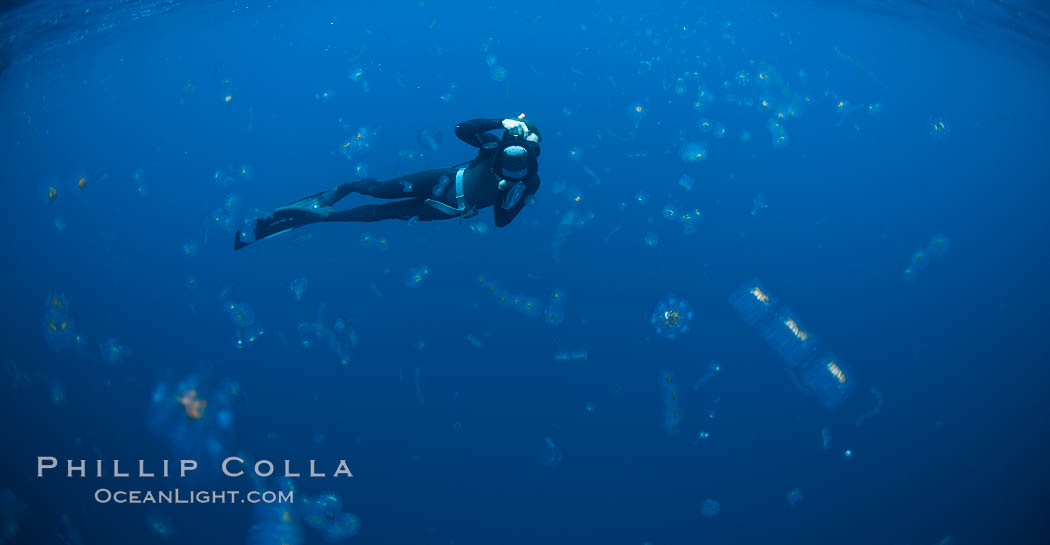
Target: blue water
<point x="167" y="109"/>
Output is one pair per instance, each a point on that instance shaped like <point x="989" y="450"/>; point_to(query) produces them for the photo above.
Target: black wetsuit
<point x="480" y="190"/>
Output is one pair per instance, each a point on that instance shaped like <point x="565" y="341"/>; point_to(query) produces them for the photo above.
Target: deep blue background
<point x="960" y="355"/>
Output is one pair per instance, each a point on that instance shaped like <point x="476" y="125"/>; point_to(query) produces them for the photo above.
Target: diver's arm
<point x="504" y="216"/>
<point x="532" y="185"/>
<point x="476" y="131"/>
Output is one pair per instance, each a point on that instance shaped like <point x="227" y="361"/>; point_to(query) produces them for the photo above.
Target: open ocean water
<point x="784" y="280"/>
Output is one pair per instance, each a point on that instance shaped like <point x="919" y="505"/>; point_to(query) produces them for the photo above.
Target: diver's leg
<point x="418" y="184"/>
<point x="398" y="210"/>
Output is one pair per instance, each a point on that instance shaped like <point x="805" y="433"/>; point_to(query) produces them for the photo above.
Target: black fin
<point x="281" y="221"/>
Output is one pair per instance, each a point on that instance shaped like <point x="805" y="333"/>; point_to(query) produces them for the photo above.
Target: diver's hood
<point x="515" y="164"/>
<point x="516" y="158"/>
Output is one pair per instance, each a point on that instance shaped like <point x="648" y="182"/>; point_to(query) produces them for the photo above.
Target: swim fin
<point x="314" y="203"/>
<point x="284" y="219"/>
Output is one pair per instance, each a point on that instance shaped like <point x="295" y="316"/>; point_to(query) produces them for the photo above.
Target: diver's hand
<point x="516" y="127"/>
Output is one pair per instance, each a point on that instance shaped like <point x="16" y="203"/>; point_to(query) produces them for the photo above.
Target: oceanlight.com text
<point x="183" y="496"/>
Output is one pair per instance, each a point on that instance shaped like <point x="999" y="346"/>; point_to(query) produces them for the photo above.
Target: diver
<point x="503" y="176"/>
